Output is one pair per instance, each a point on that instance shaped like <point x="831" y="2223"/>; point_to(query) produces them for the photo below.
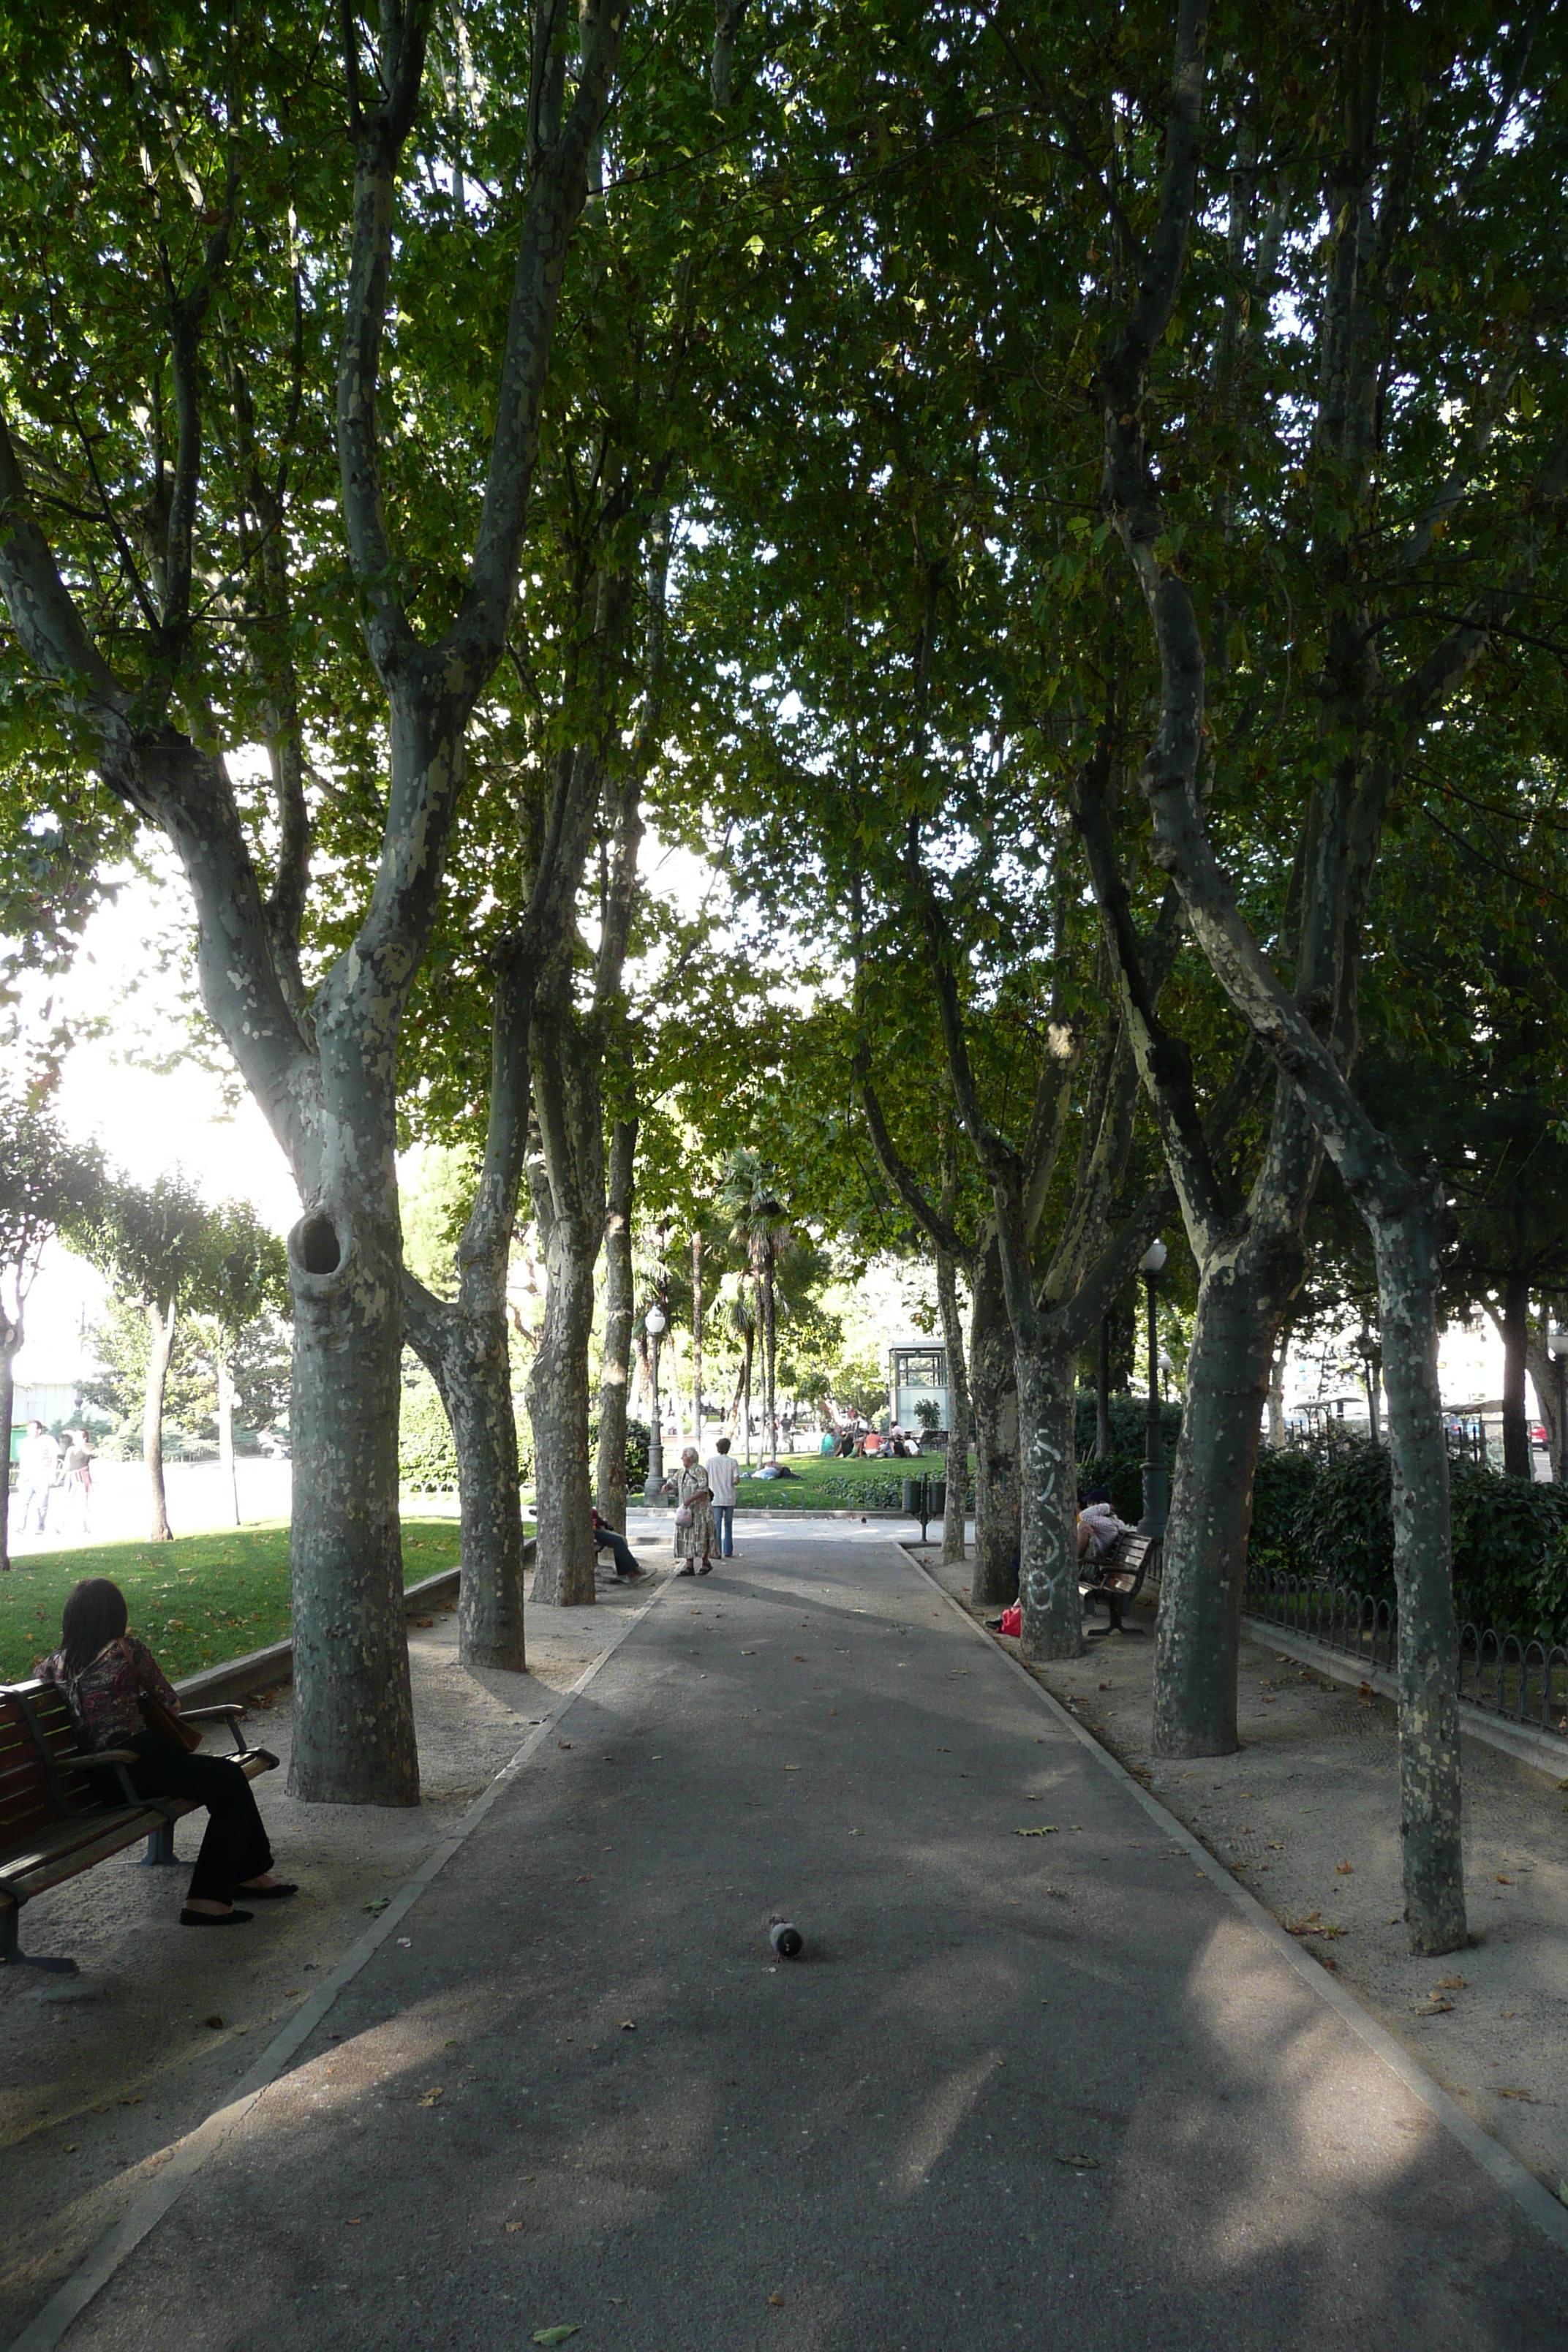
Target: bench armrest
<point x="88" y="1759"/>
<point x="223" y="1711"/>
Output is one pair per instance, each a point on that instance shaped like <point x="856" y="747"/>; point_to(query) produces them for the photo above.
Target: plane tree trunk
<point x="616" y="1360"/>
<point x="160" y="1351"/>
<point x="325" y="1072"/>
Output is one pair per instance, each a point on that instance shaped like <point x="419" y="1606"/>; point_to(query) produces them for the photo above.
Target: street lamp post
<point x="1370" y="1355"/>
<point x="653" y="1323"/>
<point x="1156" y="1479"/>
<point x="1557" y="1348"/>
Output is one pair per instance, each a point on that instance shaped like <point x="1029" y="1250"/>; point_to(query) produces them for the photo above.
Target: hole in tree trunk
<point x="319" y="1250"/>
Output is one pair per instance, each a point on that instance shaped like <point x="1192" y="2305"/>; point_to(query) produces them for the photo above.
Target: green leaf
<point x="554" y="2335"/>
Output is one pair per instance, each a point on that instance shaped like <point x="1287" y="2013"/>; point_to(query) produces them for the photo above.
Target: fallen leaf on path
<point x="353" y="2220"/>
<point x="555" y="2334"/>
<point x="1562" y="2192"/>
<point x="512" y="2226"/>
<point x="1344" y="1869"/>
<point x="1080" y="2163"/>
<point x="1434" y="2008"/>
<point x="1502" y="1881"/>
<point x="1528" y="2097"/>
<point x="560" y="1743"/>
<point x="1450" y="1984"/>
<point x="1275" y="1846"/>
<point x="777" y="2300"/>
<point x="585" y="1879"/>
<point x="1046" y="1829"/>
<point x="378" y="1903"/>
<point x="792" y="1767"/>
<point x="628" y="2025"/>
<point x="214" y="2020"/>
<point x="1364" y="1691"/>
<point x="799" y="1660"/>
<point x="431" y="2098"/>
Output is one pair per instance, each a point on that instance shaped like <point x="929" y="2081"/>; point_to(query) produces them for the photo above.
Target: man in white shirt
<point x="722" y="1474"/>
<point x="37" y="1458"/>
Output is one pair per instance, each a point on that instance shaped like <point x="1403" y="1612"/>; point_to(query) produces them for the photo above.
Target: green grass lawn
<point x="825" y="1482"/>
<point x="195" y="1601"/>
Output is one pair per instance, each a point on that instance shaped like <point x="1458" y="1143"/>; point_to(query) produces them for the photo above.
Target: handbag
<point x="683" y="1517"/>
<point x="166" y="1728"/>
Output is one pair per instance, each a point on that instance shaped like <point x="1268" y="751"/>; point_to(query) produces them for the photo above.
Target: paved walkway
<point x="1046" y="2088"/>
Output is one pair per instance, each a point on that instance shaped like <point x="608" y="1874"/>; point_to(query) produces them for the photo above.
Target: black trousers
<point x="235" y="1847"/>
<point x="609" y="1539"/>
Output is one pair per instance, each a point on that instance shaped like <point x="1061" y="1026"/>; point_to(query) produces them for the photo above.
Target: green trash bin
<point x="911" y="1499"/>
<point x="938" y="1498"/>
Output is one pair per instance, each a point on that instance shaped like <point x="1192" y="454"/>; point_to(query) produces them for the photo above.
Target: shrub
<point x="1284" y="1481"/>
<point x="1509" y="1537"/>
<point x="1326" y="1513"/>
<point x="638" y="1436"/>
<point x="426" y="1457"/>
<point x="1129" y="1421"/>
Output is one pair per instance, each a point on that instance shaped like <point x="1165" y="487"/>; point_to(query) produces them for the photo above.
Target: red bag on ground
<point x="1012" y="1620"/>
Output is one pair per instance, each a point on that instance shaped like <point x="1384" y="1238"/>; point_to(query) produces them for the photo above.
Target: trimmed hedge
<point x="1325" y="1513"/>
<point x="638" y="1439"/>
<point x="426" y="1457"/>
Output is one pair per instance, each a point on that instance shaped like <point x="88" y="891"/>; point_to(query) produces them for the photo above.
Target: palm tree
<point x="759" y="1224"/>
<point x="744" y="1323"/>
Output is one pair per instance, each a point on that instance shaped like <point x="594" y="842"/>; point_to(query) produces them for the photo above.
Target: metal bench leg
<point x="161" y="1847"/>
<point x="13" y="1957"/>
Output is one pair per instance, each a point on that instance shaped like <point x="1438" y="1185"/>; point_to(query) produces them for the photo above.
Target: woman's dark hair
<point x="1098" y="1494"/>
<point x="95" y="1615"/>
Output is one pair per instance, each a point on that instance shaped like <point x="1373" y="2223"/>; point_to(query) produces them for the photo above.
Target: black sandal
<point x="278" y="1894"/>
<point x="217" y="1919"/>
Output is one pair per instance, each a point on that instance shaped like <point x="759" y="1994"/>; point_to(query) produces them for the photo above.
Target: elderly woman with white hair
<point x="696" y="1532"/>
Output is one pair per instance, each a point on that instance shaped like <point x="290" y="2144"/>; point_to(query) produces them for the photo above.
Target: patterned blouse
<point x="105" y="1697"/>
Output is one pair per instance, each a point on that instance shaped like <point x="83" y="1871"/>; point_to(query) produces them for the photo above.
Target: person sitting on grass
<point x="104" y="1672"/>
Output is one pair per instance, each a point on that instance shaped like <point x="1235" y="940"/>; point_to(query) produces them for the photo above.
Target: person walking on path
<point x="722" y="1475"/>
<point x="76" y="1484"/>
<point x="610" y="1540"/>
<point x="105" y="1673"/>
<point x="37" y="1461"/>
<point x="696" y="1537"/>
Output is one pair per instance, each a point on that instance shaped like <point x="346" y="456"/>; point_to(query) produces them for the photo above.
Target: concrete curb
<point x="1543" y="1749"/>
<point x="1515" y="2180"/>
<point x="259" y="1670"/>
<point x="187" y="2157"/>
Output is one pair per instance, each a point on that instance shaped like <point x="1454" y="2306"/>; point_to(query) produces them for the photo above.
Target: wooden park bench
<point x="1117" y="1578"/>
<point x="63" y="1808"/>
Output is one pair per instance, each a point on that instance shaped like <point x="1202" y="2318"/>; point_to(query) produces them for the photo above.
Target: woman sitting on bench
<point x="105" y="1673"/>
<point x="1099" y="1529"/>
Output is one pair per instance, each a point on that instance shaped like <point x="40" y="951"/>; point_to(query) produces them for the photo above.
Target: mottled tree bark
<point x="558" y="1407"/>
<point x="159" y="1348"/>
<point x="616" y="1360"/>
<point x="1401" y="1214"/>
<point x="325" y="1075"/>
<point x="955" y="1512"/>
<point x="1047" y="1570"/>
<point x="1204" y="1568"/>
<point x="227" y="1473"/>
<point x="994" y="1397"/>
<point x="353" y="1712"/>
